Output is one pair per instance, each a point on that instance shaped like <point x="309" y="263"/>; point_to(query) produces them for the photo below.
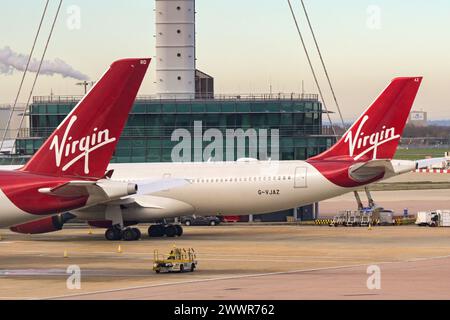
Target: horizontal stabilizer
<point x="369" y="170"/>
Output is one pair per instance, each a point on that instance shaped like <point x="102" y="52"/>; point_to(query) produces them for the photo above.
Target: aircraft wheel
<point x="156" y="231"/>
<point x="138" y="233"/>
<point x="171" y="231"/>
<point x="179" y="230"/>
<point x="128" y="234"/>
<point x="113" y="234"/>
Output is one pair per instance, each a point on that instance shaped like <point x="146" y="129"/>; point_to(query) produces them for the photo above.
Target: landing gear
<point x="179" y="230"/>
<point x="156" y="231"/>
<point x="171" y="231"/>
<point x="131" y="234"/>
<point x="113" y="234"/>
<point x="371" y="202"/>
<point x="128" y="234"/>
<point x="161" y="230"/>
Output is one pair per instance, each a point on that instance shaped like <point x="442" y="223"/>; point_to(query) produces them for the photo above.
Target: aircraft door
<point x="300" y="179"/>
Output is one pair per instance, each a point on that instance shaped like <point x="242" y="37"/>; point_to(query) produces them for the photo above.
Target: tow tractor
<point x="178" y="260"/>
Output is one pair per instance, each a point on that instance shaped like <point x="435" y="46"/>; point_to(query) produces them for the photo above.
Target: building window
<point x="179" y="78"/>
<point x="179" y="55"/>
<point x="178" y="8"/>
<point x="178" y="31"/>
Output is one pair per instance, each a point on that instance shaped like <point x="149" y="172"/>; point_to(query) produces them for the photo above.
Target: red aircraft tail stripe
<point x="83" y="144"/>
<point x="376" y="134"/>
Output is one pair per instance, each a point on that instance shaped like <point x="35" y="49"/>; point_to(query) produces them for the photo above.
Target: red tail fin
<point x="376" y="134"/>
<point x="84" y="142"/>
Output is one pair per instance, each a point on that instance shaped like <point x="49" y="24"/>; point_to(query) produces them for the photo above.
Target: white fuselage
<point x="237" y="188"/>
<point x="215" y="188"/>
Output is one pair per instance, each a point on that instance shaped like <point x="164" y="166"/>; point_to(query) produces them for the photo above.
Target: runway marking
<point x="241" y="277"/>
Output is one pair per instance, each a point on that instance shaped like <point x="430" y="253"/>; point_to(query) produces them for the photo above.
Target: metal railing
<point x="166" y="131"/>
<point x="201" y="97"/>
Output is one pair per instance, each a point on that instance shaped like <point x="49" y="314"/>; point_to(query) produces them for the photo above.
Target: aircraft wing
<point x="152" y="186"/>
<point x="144" y="199"/>
<point x="105" y="190"/>
<point x="72" y="189"/>
<point x="101" y="190"/>
<point x="157" y="206"/>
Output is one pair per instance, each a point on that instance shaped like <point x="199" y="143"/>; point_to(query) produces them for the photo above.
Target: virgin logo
<point x="81" y="148"/>
<point x="367" y="143"/>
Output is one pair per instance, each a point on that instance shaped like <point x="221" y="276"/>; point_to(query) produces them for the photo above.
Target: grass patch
<point x="416" y="154"/>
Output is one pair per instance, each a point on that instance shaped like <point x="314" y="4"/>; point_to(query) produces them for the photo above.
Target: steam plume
<point x="11" y="61"/>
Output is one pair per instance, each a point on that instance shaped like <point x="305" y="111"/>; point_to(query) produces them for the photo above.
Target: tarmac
<point x="235" y="262"/>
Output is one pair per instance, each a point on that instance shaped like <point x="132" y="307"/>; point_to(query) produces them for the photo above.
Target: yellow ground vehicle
<point x="178" y="260"/>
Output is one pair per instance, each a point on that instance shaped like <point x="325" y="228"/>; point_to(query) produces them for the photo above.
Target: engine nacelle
<point x="45" y="225"/>
<point x="117" y="189"/>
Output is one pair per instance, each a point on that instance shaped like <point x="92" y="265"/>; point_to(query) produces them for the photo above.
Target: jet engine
<point x="45" y="225"/>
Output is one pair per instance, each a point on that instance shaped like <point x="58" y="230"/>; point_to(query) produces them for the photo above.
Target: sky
<point x="250" y="45"/>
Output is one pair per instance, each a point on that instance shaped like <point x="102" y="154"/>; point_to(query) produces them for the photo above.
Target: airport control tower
<point x="175" y="49"/>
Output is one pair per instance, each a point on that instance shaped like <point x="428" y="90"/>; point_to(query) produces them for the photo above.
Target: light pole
<point x="85" y="85"/>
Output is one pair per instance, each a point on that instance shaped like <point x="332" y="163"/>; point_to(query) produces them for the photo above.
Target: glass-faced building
<point x="152" y="122"/>
<point x="148" y="134"/>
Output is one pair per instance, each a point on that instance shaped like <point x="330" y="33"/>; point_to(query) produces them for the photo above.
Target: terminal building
<point x="185" y="97"/>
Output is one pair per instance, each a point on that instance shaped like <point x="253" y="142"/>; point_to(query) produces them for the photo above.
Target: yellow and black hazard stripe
<point x="323" y="221"/>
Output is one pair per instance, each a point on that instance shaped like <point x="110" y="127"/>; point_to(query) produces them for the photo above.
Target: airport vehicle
<point x="363" y="155"/>
<point x="179" y="260"/>
<point x="230" y="219"/>
<point x="425" y="218"/>
<point x="384" y="217"/>
<point x="200" y="220"/>
<point x="437" y="218"/>
<point x="69" y="171"/>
